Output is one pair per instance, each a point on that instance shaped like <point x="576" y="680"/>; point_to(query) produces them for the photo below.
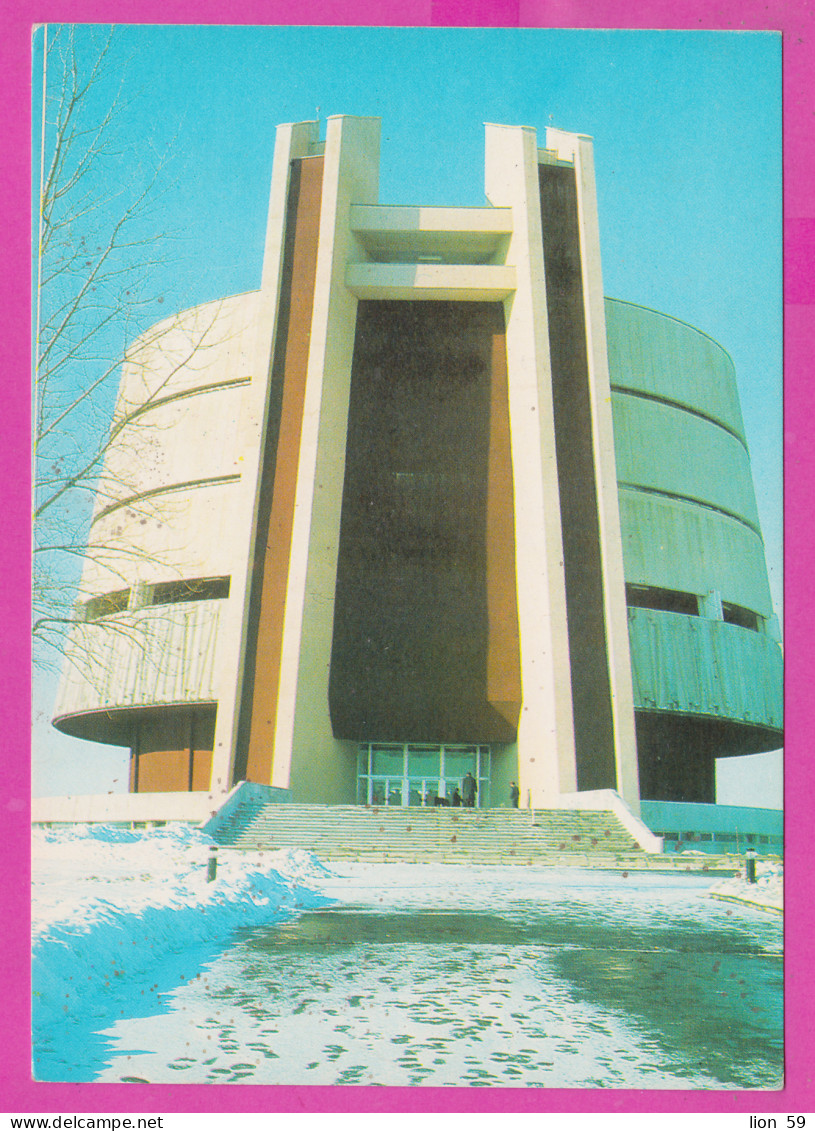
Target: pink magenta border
<point x="17" y="1092"/>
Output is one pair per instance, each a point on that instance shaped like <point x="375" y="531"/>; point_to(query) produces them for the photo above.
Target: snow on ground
<point x="107" y="903"/>
<point x="105" y="897"/>
<point x="435" y="974"/>
<point x="767" y="892"/>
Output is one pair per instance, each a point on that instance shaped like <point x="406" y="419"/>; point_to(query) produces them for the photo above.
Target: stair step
<point x="478" y="835"/>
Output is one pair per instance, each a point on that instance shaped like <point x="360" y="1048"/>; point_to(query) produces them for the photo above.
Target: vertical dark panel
<point x="678" y="755"/>
<point x="134" y="759"/>
<point x="203" y="740"/>
<point x="191" y="751"/>
<point x="591" y="689"/>
<point x="410" y="646"/>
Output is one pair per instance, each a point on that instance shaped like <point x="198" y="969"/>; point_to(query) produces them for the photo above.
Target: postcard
<point x="407" y="574"/>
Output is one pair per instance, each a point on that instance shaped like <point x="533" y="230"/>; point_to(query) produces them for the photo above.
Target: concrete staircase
<point x="441" y="835"/>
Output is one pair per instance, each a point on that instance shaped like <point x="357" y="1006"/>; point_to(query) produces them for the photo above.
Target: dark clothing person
<point x="456" y="802"/>
<point x="514" y="795"/>
<point x="468" y="791"/>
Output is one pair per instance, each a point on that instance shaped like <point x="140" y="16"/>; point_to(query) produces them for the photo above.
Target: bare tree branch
<point x="96" y="255"/>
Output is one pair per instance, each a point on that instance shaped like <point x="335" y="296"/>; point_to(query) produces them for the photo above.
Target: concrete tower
<point x="423" y="504"/>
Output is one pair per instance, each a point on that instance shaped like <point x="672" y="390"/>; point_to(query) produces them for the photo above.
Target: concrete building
<point x="427" y="502"/>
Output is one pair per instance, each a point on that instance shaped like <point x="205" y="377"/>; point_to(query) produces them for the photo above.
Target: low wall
<point x="125" y="808"/>
<point x="207" y="809"/>
<point x="715" y="828"/>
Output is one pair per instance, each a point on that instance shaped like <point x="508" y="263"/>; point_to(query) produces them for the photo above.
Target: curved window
<point x="735" y="614"/>
<point x="674" y="601"/>
<point x="666" y="600"/>
<point x="191" y="589"/>
<point x="164" y="593"/>
<point x="106" y="604"/>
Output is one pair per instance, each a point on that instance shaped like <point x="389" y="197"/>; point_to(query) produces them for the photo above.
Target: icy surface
<point x="284" y="971"/>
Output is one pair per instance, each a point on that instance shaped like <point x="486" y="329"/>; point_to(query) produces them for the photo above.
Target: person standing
<point x="514" y="795"/>
<point x="468" y="790"/>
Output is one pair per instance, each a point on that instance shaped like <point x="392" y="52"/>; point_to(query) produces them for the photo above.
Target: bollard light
<point x="212" y="863"/>
<point x="750" y="866"/>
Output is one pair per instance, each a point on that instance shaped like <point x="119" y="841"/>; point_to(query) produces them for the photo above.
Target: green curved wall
<point x="674" y="544"/>
<point x="705" y="667"/>
<point x="662" y="447"/>
<point x="690" y="525"/>
<point x="654" y="353"/>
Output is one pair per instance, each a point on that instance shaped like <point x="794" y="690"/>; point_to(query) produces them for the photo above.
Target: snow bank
<point x="109" y="904"/>
<point x="767" y="892"/>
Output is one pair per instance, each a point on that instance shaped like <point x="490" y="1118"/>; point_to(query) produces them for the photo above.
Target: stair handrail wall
<point x="242" y="795"/>
<point x="608" y="799"/>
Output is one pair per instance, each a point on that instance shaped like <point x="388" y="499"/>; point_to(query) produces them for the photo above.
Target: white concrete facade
<point x="351" y="176"/>
<point x="209" y="416"/>
<point x="293" y="141"/>
<point x="511" y="180"/>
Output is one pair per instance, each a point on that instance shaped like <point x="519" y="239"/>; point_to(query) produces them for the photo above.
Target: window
<point x="735" y="614"/>
<point x="417" y="773"/>
<point x="665" y="600"/>
<point x="107" y="604"/>
<point x="387" y="760"/>
<point x="194" y="589"/>
<point x="424" y="761"/>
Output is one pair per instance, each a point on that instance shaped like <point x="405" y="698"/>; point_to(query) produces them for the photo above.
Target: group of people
<point x="466" y="796"/>
<point x="460" y="797"/>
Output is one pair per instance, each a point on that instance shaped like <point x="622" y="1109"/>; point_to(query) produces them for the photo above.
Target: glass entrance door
<point x="386" y="791"/>
<point x="423" y="771"/>
<point x="414" y="774"/>
<point x="385" y="775"/>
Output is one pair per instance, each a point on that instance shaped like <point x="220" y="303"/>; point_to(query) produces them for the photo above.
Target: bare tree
<point x="100" y="242"/>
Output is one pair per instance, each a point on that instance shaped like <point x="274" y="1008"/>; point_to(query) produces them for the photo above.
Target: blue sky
<point x="687" y="131"/>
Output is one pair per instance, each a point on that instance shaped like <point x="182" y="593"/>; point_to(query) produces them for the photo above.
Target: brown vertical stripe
<point x="172" y="749"/>
<point x="503" y="647"/>
<point x="201" y="769"/>
<point x="299" y="271"/>
<point x="191" y="746"/>
<point x="164" y="771"/>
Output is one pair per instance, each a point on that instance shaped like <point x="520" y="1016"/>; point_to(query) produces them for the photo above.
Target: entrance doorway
<point x="416" y="774"/>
